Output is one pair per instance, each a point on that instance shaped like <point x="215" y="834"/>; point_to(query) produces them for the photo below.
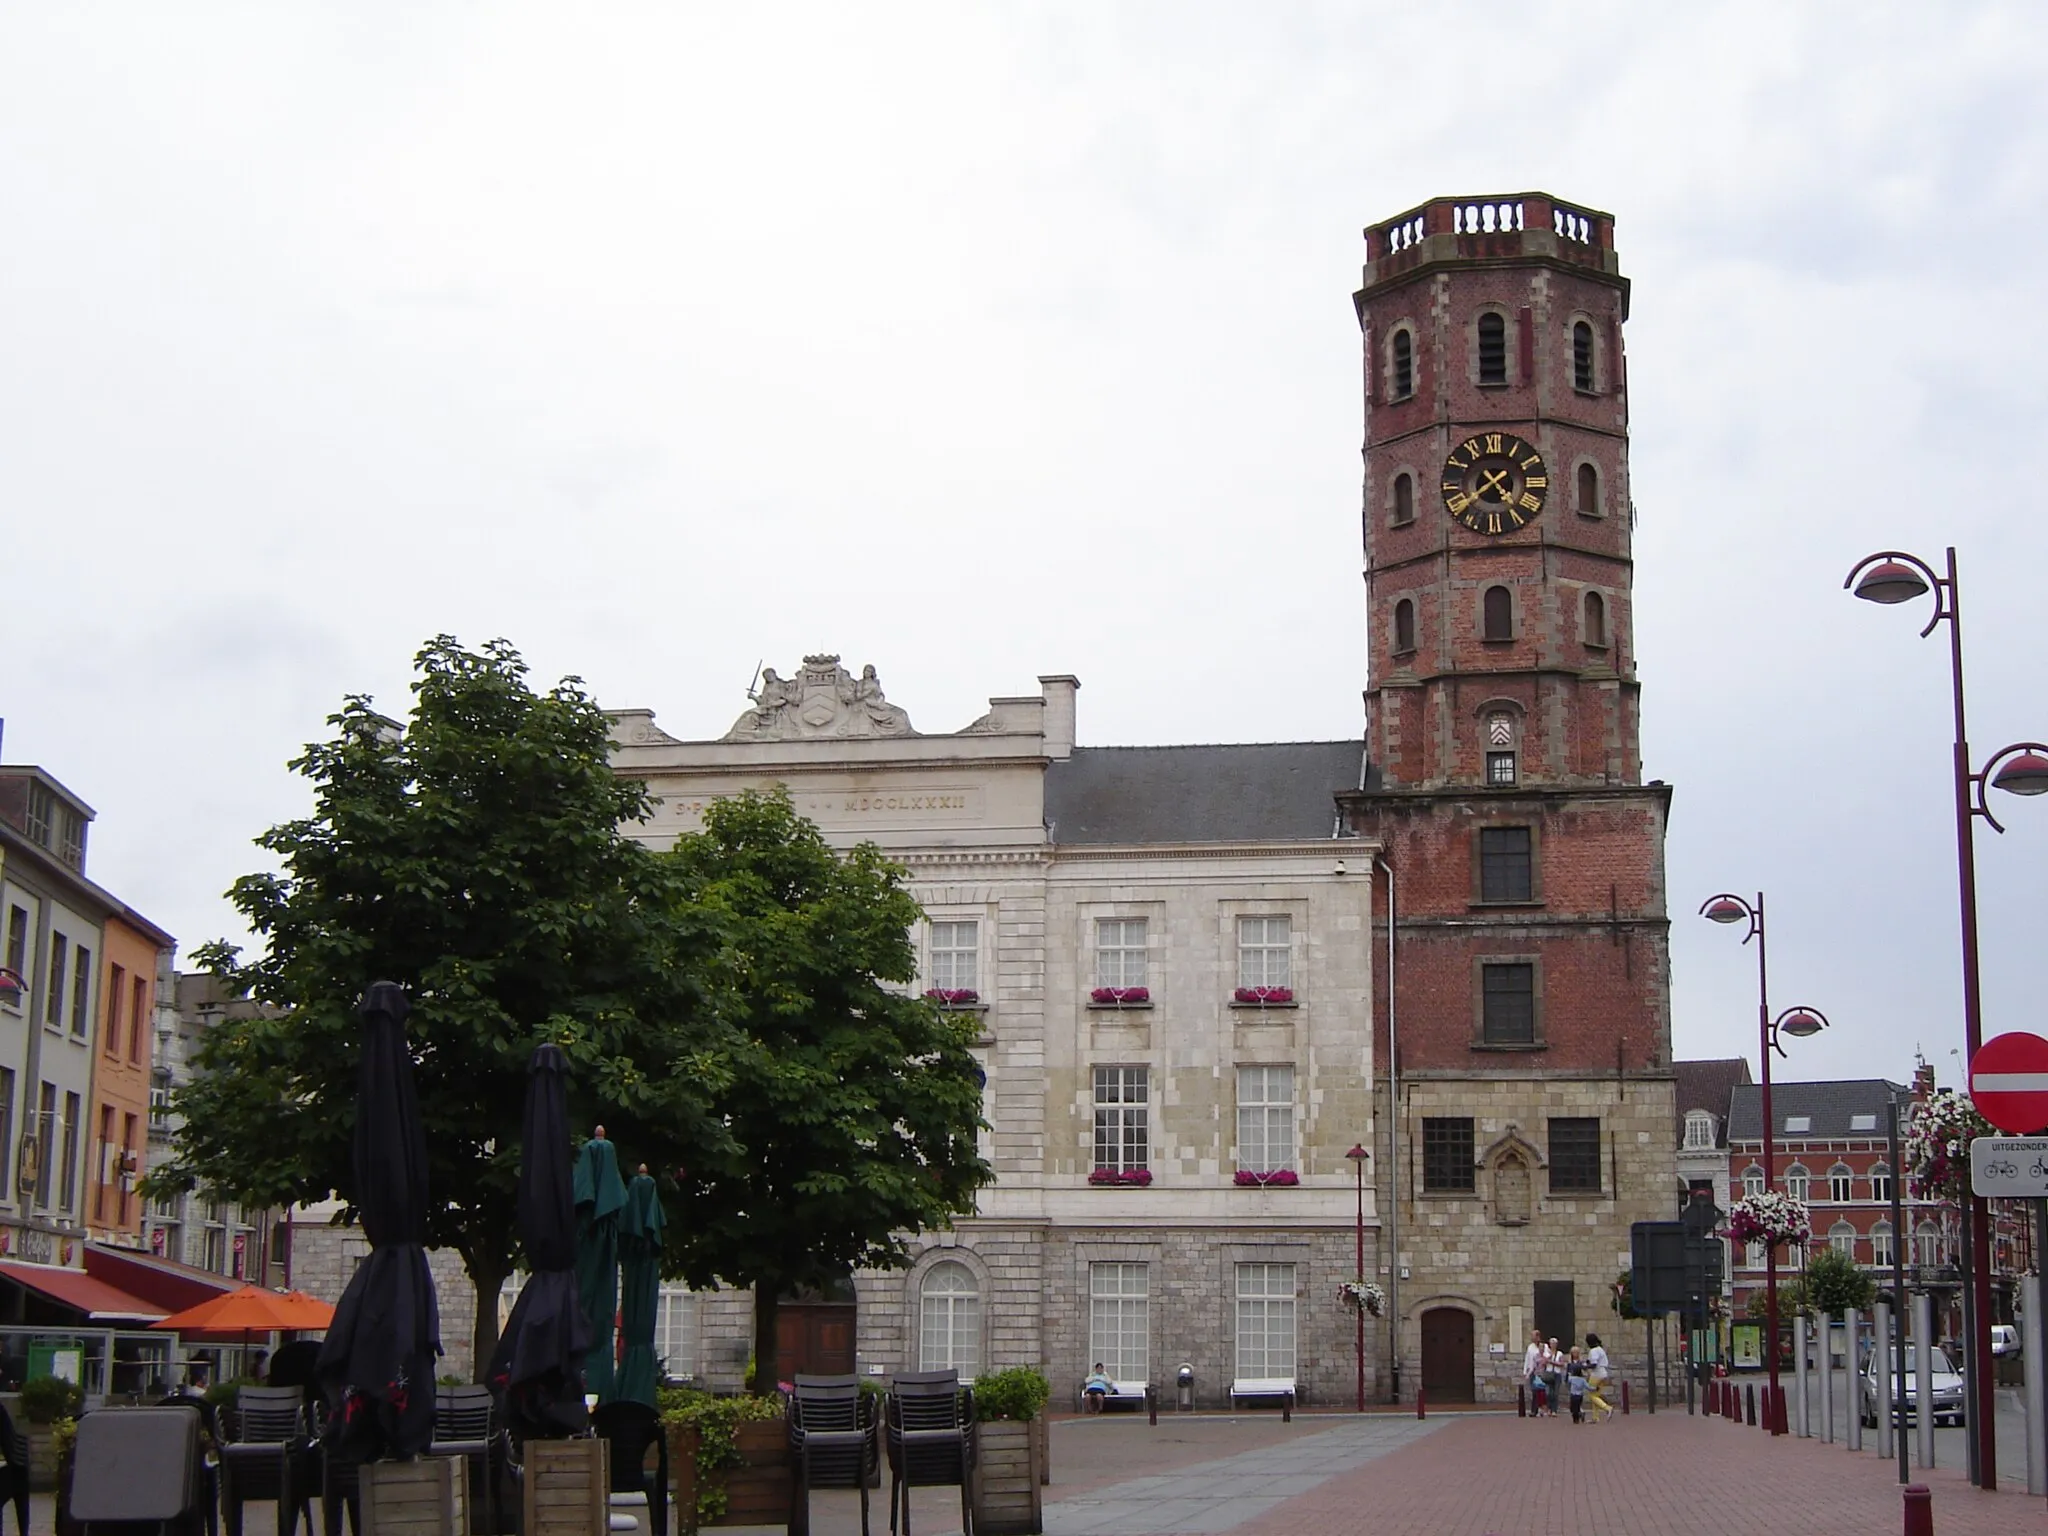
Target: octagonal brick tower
<point x="1531" y="1122"/>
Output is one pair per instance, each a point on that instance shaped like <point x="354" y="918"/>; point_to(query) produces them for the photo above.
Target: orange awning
<point x="252" y="1310"/>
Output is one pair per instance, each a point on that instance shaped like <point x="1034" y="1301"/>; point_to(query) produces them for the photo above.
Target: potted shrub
<point x="1009" y="1462"/>
<point x="43" y="1402"/>
<point x="729" y="1459"/>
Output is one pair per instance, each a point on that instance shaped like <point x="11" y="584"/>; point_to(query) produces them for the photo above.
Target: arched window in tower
<point x="1497" y="618"/>
<point x="1589" y="491"/>
<point x="1404" y="627"/>
<point x="1404" y="363"/>
<point x="1493" y="348"/>
<point x="1582" y="357"/>
<point x="1500" y="748"/>
<point x="1404" y="498"/>
<point x="1596" y="619"/>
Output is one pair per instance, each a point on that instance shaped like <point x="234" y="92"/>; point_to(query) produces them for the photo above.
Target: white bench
<point x="1121" y="1394"/>
<point x="1257" y="1388"/>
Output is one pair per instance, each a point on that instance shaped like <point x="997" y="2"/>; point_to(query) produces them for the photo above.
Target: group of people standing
<point x="1576" y="1376"/>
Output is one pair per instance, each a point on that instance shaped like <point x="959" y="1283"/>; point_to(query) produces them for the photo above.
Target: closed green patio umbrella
<point x="640" y="1225"/>
<point x="600" y="1196"/>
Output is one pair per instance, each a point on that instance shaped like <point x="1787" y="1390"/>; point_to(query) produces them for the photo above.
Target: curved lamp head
<point x="1890" y="581"/>
<point x="1358" y="1154"/>
<point x="2026" y="774"/>
<point x="1800" y="1023"/>
<point x="1724" y="909"/>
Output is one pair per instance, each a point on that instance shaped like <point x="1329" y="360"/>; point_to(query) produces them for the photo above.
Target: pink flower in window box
<point x="1285" y="1177"/>
<point x="1118" y="996"/>
<point x="1139" y="1177"/>
<point x="953" y="997"/>
<point x="1263" y="995"/>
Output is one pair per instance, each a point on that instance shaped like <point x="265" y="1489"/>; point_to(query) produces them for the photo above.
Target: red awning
<point x="168" y="1286"/>
<point x="74" y="1288"/>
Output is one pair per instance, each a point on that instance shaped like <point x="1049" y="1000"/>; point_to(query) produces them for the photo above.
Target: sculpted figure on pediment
<point x="823" y="700"/>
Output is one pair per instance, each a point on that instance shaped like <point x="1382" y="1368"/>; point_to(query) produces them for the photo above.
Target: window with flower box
<point x="956" y="955"/>
<point x="1120" y="952"/>
<point x="1122" y="1125"/>
<point x="1265" y="1118"/>
<point x="1264" y="946"/>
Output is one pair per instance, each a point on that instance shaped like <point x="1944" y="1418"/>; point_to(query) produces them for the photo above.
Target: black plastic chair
<point x="14" y="1476"/>
<point x="929" y="1425"/>
<point x="132" y="1466"/>
<point x="631" y="1428"/>
<point x="834" y="1442"/>
<point x="462" y="1427"/>
<point x="259" y="1458"/>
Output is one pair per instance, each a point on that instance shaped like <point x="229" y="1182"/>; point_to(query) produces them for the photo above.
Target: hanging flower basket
<point x="1281" y="1176"/>
<point x="1357" y="1294"/>
<point x="1139" y="1177"/>
<point x="1936" y="1145"/>
<point x="1116" y="997"/>
<point x="953" y="997"/>
<point x="1264" y="995"/>
<point x="1769" y="1217"/>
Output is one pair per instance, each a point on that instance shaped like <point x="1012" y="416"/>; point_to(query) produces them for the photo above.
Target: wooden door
<point x="1447" y="1355"/>
<point x="814" y="1337"/>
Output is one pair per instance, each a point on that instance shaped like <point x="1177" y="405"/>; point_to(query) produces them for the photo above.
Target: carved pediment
<point x="823" y="701"/>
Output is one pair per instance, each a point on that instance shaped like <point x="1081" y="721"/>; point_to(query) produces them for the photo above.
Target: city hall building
<point x="1203" y="975"/>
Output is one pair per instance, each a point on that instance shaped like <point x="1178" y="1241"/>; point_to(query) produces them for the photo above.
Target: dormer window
<point x="1493" y="349"/>
<point x="1699" y="1130"/>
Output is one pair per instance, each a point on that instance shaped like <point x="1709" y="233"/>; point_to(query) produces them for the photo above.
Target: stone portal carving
<point x="822" y="700"/>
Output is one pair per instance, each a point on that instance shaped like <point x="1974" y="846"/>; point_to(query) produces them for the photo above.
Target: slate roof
<point x="1254" y="792"/>
<point x="1829" y="1105"/>
<point x="1708" y="1085"/>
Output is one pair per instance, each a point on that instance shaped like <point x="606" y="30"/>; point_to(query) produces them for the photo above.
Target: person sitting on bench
<point x="1096" y="1388"/>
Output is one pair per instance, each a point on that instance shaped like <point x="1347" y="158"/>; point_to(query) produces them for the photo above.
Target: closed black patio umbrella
<point x="537" y="1368"/>
<point x="376" y="1365"/>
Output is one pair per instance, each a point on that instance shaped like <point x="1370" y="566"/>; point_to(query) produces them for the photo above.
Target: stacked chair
<point x="929" y="1426"/>
<point x="833" y="1442"/>
<point x="136" y="1466"/>
<point x="264" y="1457"/>
<point x="462" y="1427"/>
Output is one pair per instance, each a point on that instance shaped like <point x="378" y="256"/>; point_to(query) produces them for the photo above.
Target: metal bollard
<point x="1421" y="1410"/>
<point x="1152" y="1404"/>
<point x="1624" y="1399"/>
<point x="1521" y="1402"/>
<point x="1751" y="1395"/>
<point x="1919" y="1510"/>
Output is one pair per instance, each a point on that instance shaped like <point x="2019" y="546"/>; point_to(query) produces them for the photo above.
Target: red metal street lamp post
<point x="1893" y="576"/>
<point x="1799" y="1023"/>
<point x="1358" y="1155"/>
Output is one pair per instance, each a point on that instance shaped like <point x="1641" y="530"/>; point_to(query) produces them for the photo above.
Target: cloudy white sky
<point x="981" y="341"/>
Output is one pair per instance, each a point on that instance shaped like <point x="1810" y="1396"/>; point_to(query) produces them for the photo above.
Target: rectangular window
<point x="1262" y="952"/>
<point x="1753" y="1255"/>
<point x="160" y="1107"/>
<point x="1447" y="1156"/>
<point x="1120" y="952"/>
<point x="46" y="1143"/>
<point x="675" y="1330"/>
<point x="1839" y="1183"/>
<point x="1798" y="1184"/>
<point x="1575" y="1156"/>
<point x="1119" y="1320"/>
<point x="1928" y="1243"/>
<point x="1265" y="1322"/>
<point x="1881" y="1244"/>
<point x="117" y="999"/>
<point x="1505" y="864"/>
<point x="956" y="954"/>
<point x="129" y="1167"/>
<point x="1752" y="1183"/>
<point x="107" y="1169"/>
<point x="81" y="993"/>
<point x="1500" y="768"/>
<point x="17" y="942"/>
<point x="1881" y="1184"/>
<point x="1798" y="1125"/>
<point x="139" y="1021"/>
<point x="1508" y="1004"/>
<point x="214" y="1254"/>
<point x="53" y="1009"/>
<point x="1265" y="1118"/>
<point x="42" y="811"/>
<point x="1842" y="1238"/>
<point x="1121" y="1128"/>
<point x="72" y="1111"/>
<point x="6" y="1131"/>
<point x="71" y="838"/>
<point x="1863" y="1122"/>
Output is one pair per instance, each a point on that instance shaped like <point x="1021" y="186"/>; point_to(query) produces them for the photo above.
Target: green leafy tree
<point x="1834" y="1283"/>
<point x="476" y="858"/>
<point x="1792" y="1300"/>
<point x="853" y="1105"/>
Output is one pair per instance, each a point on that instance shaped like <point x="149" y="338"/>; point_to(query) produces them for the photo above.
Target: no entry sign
<point x="2009" y="1082"/>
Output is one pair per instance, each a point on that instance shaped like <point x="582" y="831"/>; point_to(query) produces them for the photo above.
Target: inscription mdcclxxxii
<point x="905" y="803"/>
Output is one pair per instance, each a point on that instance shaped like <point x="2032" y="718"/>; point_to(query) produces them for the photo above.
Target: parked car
<point x="2005" y="1339"/>
<point x="1947" y="1383"/>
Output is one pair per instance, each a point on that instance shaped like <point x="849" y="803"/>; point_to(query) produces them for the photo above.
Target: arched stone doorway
<point x="1447" y="1355"/>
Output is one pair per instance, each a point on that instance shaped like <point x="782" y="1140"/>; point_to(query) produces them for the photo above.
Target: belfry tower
<point x="1529" y="1044"/>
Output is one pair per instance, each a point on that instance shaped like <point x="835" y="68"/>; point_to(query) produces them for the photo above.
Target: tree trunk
<point x="483" y="1339"/>
<point x="765" y="1301"/>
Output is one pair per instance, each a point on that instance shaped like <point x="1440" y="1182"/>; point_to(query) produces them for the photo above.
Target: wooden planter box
<point x="566" y="1490"/>
<point x="757" y="1493"/>
<point x="428" y="1497"/>
<point x="1009" y="1471"/>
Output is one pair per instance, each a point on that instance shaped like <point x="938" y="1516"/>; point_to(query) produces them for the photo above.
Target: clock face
<point x="1494" y="482"/>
